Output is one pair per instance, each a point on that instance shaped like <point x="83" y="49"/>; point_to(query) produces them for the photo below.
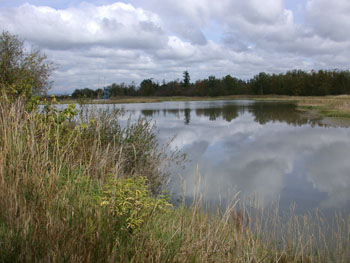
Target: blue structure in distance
<point x="106" y="93"/>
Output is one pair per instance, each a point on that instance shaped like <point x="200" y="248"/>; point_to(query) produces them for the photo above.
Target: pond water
<point x="265" y="150"/>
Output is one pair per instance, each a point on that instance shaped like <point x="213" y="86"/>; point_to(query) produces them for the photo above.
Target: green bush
<point x="130" y="201"/>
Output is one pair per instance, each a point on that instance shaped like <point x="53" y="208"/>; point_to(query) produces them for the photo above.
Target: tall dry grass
<point x="329" y="106"/>
<point x="52" y="171"/>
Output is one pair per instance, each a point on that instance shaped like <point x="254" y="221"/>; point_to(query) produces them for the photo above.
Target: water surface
<point x="262" y="149"/>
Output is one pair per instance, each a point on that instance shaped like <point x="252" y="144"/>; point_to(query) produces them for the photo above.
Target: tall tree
<point x="147" y="87"/>
<point x="186" y="79"/>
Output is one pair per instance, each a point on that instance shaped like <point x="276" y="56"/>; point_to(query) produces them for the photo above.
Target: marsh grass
<point x="68" y="189"/>
<point x="242" y="233"/>
<point x="329" y="106"/>
<point x="53" y="171"/>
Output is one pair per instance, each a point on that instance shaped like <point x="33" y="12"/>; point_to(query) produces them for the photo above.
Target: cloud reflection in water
<point x="262" y="148"/>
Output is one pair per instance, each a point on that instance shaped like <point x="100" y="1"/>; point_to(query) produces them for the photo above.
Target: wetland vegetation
<point x="87" y="191"/>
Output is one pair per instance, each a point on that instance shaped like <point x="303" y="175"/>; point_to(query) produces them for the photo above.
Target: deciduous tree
<point x="22" y="73"/>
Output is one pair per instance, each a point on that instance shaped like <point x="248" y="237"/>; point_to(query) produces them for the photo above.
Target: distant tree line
<point x="293" y="83"/>
<point x="87" y="93"/>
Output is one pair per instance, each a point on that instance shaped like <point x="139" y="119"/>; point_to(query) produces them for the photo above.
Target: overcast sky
<point x="98" y="42"/>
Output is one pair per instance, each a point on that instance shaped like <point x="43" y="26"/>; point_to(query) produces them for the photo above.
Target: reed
<point x="54" y="171"/>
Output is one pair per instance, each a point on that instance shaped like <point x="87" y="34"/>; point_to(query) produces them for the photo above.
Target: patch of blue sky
<point x="213" y="32"/>
<point x="298" y="8"/>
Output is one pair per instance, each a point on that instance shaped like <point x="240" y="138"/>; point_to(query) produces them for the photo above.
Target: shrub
<point x="130" y="201"/>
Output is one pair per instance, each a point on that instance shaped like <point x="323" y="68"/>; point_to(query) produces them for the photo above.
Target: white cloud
<point x="97" y="44"/>
<point x="115" y="25"/>
<point x="176" y="49"/>
<point x="330" y="19"/>
<point x="332" y="177"/>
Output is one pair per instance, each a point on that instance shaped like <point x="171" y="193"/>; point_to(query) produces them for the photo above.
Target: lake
<point x="265" y="150"/>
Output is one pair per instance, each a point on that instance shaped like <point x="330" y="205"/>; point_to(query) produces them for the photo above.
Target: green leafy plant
<point x="131" y="202"/>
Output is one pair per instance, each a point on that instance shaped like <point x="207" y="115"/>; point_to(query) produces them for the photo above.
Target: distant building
<point x="106" y="93"/>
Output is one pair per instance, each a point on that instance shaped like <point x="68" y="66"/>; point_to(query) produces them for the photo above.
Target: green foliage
<point x="22" y="73"/>
<point x="130" y="201"/>
<point x="186" y="79"/>
<point x="335" y="113"/>
<point x="87" y="93"/>
<point x="148" y="87"/>
<point x="292" y="83"/>
<point x="57" y="116"/>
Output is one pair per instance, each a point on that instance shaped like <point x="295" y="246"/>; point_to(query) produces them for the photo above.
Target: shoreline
<point x="331" y="110"/>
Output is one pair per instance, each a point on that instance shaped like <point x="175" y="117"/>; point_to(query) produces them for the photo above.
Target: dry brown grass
<point x="329" y="106"/>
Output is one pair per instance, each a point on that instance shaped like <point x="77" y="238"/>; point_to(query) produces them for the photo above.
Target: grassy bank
<point x="88" y="190"/>
<point x="326" y="106"/>
<point x="335" y="106"/>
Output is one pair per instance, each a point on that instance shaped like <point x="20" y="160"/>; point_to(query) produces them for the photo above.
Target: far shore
<point x="334" y="109"/>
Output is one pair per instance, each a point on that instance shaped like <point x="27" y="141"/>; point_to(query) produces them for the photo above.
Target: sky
<point x="99" y="42"/>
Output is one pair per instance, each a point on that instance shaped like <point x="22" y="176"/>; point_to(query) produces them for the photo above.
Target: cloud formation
<point x="117" y="25"/>
<point x="99" y="42"/>
<point x="330" y="19"/>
